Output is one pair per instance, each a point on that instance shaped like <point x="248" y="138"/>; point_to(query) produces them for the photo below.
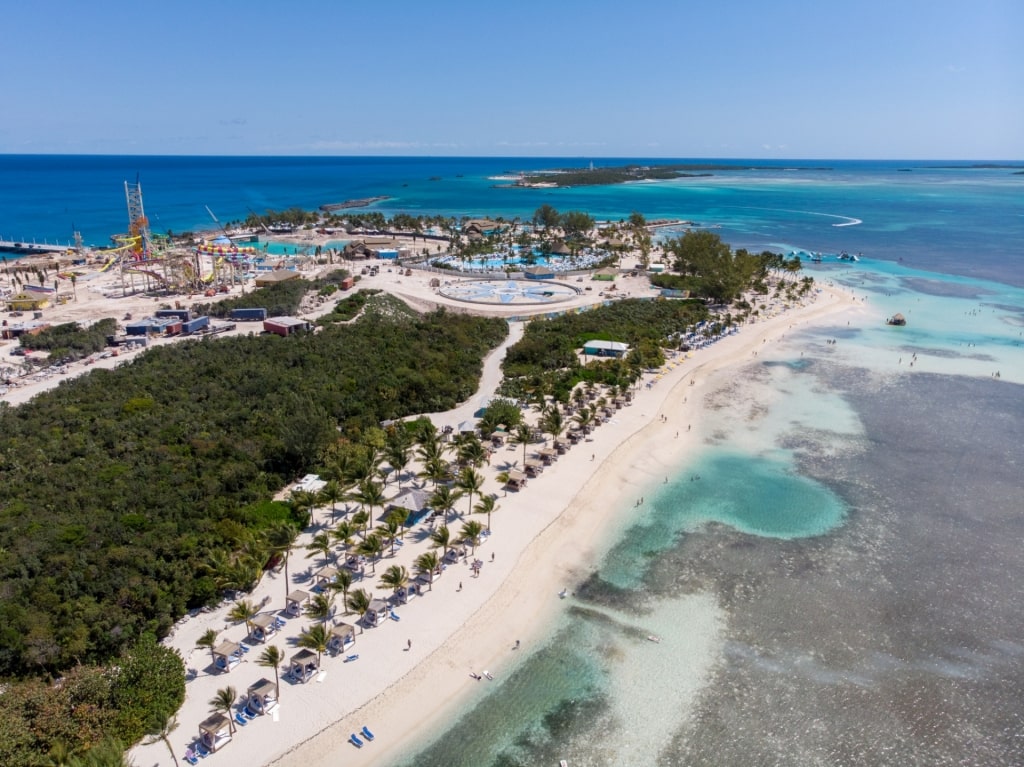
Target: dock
<point x="32" y="248"/>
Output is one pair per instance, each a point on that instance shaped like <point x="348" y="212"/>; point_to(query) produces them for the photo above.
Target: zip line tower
<point x="138" y="224"/>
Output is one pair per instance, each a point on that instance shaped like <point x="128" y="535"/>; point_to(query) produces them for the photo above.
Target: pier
<point x="32" y="248"/>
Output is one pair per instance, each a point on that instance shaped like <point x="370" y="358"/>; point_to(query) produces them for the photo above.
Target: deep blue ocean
<point x="942" y="216"/>
<point x="836" y="574"/>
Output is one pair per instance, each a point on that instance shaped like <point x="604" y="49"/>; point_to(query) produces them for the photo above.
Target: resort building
<point x="266" y="279"/>
<point x="285" y="326"/>
<point x="605" y="348"/>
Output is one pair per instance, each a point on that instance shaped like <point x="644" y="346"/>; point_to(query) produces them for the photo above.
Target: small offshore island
<point x="567" y="177"/>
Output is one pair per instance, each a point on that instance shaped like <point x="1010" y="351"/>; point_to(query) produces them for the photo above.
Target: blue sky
<point x="935" y="79"/>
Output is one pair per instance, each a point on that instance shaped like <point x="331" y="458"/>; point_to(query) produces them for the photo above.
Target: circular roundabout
<point x="508" y="292"/>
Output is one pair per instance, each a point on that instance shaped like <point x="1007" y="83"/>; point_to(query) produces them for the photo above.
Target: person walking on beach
<point x="408" y="645"/>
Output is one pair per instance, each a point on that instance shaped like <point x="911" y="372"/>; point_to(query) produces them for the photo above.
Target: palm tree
<point x="280" y="539"/>
<point x="319" y="608"/>
<point x="471" y="532"/>
<point x="331" y="493"/>
<point x="488" y="505"/>
<point x="209" y="641"/>
<point x="552" y="421"/>
<point x="303" y="502"/>
<point x="585" y="417"/>
<point x="504" y="477"/>
<point x="344" y="533"/>
<point x="444" y="500"/>
<point x="389" y="531"/>
<point x="315" y="638"/>
<point x="522" y="436"/>
<point x="370" y="494"/>
<point x="427" y="564"/>
<point x="160" y="730"/>
<point x="342" y="581"/>
<point x="372" y="547"/>
<point x="361" y="520"/>
<point x="469" y="483"/>
<point x="442" y="538"/>
<point x="272" y="657"/>
<point x="397" y="456"/>
<point x="395" y="578"/>
<point x="435" y="469"/>
<point x="321" y="544"/>
<point x="471" y="451"/>
<point x="243" y="611"/>
<point x="222" y="702"/>
<point x="401" y="516"/>
<point x="359" y="602"/>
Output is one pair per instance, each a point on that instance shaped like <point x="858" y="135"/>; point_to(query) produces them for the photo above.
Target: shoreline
<point x="582" y="508"/>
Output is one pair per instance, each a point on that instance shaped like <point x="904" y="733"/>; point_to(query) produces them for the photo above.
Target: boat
<point x="652" y="638"/>
<point x="563" y="763"/>
<point x="844" y="256"/>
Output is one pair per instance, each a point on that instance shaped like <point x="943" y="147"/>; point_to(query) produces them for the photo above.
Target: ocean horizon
<point x="852" y="519"/>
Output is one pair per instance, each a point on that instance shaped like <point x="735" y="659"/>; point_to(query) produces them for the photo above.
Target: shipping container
<point x="195" y="325"/>
<point x="182" y="314"/>
<point x="254" y="315"/>
<point x="172" y="328"/>
<point x="347" y="283"/>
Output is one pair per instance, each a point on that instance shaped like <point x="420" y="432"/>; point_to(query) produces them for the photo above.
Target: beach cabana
<point x="264" y="626"/>
<point x="377" y="613"/>
<point x="304" y="665"/>
<point x="533" y="467"/>
<point x="294" y="602"/>
<point x="261" y="698"/>
<point x="215" y="732"/>
<point x="547" y="455"/>
<point x="324" y="576"/>
<point x="227" y="655"/>
<point x="341" y="635"/>
<point x="516" y="480"/>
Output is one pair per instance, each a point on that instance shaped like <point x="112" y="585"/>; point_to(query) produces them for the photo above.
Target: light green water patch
<point x="755" y="494"/>
<point x="956" y="325"/>
<point x="596" y="692"/>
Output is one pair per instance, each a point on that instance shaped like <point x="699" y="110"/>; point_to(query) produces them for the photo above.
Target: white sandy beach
<point x="546" y="537"/>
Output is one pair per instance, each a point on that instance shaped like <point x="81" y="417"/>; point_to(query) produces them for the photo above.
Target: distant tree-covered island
<point x="621" y="174"/>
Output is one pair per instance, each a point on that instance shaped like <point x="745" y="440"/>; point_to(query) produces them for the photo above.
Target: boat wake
<point x="846" y="220"/>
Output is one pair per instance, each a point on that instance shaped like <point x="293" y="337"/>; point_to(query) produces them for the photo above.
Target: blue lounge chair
<point x="249" y="715"/>
<point x="366" y="733"/>
<point x="241" y="720"/>
<point x="394" y="617"/>
<point x="354" y="740"/>
<point x="191" y="759"/>
<point x="350" y="658"/>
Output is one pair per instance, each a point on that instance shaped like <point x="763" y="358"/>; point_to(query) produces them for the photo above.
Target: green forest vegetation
<point x="119" y="488"/>
<point x="70" y="341"/>
<point x="545" y="357"/>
